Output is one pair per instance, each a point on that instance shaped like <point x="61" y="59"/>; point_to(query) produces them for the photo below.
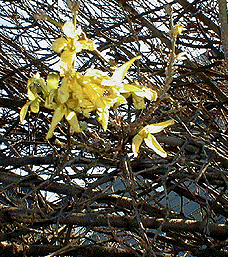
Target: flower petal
<point x="67" y="57"/>
<point x="49" y="101"/>
<point x="32" y="95"/>
<point x="139" y="102"/>
<point x="127" y="88"/>
<point x="63" y="93"/>
<point x="152" y="143"/>
<point x="87" y="44"/>
<point x="69" y="29"/>
<point x="59" y="44"/>
<point x="73" y="121"/>
<point x="24" y="111"/>
<point x="136" y="142"/>
<point x="148" y="93"/>
<point x="120" y="72"/>
<point x="57" y="116"/>
<point x="35" y="106"/>
<point x="178" y="29"/>
<point x="78" y="46"/>
<point x="52" y="81"/>
<point x="103" y="117"/>
<point x="158" y="127"/>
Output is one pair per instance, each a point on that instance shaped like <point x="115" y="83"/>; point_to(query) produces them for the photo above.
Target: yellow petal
<point x="77" y="92"/>
<point x="127" y="88"/>
<point x="78" y="47"/>
<point x="111" y="101"/>
<point x="112" y="98"/>
<point x="148" y="93"/>
<point x="103" y="118"/>
<point x="57" y="116"/>
<point x="87" y="110"/>
<point x="139" y="102"/>
<point x="95" y="85"/>
<point x="35" y="106"/>
<point x="126" y="95"/>
<point x="120" y="72"/>
<point x="181" y="56"/>
<point x="152" y="143"/>
<point x="143" y="132"/>
<point x="109" y="82"/>
<point x="78" y="77"/>
<point x="178" y="29"/>
<point x="158" y="127"/>
<point x="32" y="95"/>
<point x="63" y="68"/>
<point x="63" y="93"/>
<point x="41" y="82"/>
<point x="152" y="94"/>
<point x="35" y="85"/>
<point x="73" y="121"/>
<point x="140" y="91"/>
<point x="69" y="29"/>
<point x="24" y="111"/>
<point x="59" y="44"/>
<point x="86" y="104"/>
<point x="78" y="31"/>
<point x="100" y="105"/>
<point x="87" y="44"/>
<point x="120" y="100"/>
<point x="136" y="142"/>
<point x="49" y="101"/>
<point x="67" y="57"/>
<point x="97" y="74"/>
<point x="73" y="105"/>
<point x="91" y="93"/>
<point x="52" y="81"/>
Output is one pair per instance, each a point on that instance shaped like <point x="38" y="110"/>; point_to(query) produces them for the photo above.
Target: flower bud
<point x="73" y="6"/>
<point x="40" y="15"/>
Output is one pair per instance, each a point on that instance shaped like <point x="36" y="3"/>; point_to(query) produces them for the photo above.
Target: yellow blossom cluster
<point x="71" y="92"/>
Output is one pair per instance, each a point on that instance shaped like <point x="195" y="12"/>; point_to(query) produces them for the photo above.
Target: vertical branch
<point x="170" y="69"/>
<point x="224" y="27"/>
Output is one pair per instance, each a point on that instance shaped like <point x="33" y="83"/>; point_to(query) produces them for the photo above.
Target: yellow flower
<point x="95" y="96"/>
<point x="35" y="86"/>
<point x="146" y="135"/>
<point x="74" y="42"/>
<point x="178" y="29"/>
<point x="137" y="91"/>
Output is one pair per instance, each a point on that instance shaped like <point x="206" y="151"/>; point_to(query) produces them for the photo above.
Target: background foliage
<point x="84" y="194"/>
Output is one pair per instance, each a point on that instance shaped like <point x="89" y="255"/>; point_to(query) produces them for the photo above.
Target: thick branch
<point x="9" y="178"/>
<point x="16" y="250"/>
<point x="21" y="161"/>
<point x="224" y="26"/>
<point x="127" y="222"/>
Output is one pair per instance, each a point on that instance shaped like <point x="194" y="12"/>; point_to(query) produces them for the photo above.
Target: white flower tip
<point x="135" y="154"/>
<point x="163" y="155"/>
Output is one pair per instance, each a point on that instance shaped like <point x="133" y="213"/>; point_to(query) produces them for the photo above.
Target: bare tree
<point x="85" y="194"/>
